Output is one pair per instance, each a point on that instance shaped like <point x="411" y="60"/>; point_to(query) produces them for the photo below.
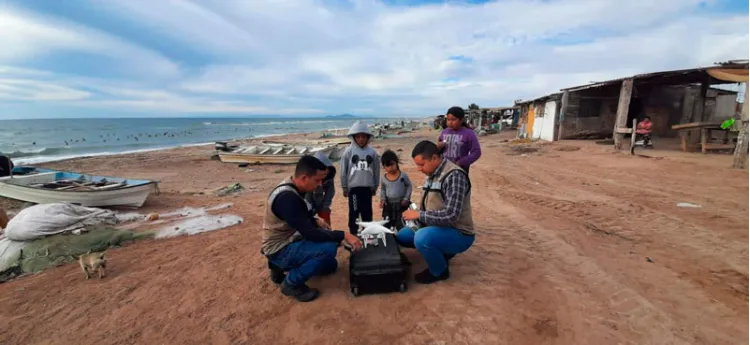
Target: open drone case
<point x="378" y="269"/>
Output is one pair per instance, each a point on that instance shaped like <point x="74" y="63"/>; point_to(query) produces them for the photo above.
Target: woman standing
<point x="458" y="142"/>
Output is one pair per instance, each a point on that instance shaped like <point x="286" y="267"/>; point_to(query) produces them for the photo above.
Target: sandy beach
<point x="576" y="244"/>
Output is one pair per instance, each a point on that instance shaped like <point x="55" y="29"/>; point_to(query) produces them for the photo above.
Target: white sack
<point x="48" y="219"/>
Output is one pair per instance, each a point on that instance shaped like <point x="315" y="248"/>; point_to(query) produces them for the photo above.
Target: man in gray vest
<point x="446" y="225"/>
<point x="293" y="239"/>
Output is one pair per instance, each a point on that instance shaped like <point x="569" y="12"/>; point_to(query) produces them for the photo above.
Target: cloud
<point x="30" y="90"/>
<point x="315" y="56"/>
<point x="25" y="36"/>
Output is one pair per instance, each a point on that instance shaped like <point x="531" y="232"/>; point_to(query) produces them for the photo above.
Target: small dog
<point x="94" y="262"/>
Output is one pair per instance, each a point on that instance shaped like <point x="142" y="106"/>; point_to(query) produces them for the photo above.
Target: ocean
<point x="37" y="141"/>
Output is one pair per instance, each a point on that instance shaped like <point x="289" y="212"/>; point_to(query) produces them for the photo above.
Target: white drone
<point x="375" y="230"/>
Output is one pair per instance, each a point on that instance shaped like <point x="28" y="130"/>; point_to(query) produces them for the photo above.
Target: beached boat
<point x="43" y="186"/>
<point x="271" y="153"/>
<point x="335" y="140"/>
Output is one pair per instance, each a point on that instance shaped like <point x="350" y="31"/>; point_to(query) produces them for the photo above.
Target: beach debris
<point x="688" y="205"/>
<point x="249" y="170"/>
<point x="568" y="148"/>
<point x="230" y="189"/>
<point x="522" y="150"/>
<point x="197" y="225"/>
<point x="521" y="141"/>
<point x="649" y="259"/>
<point x="152" y="217"/>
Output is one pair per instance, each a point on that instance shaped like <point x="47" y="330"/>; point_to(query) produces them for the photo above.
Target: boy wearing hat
<point x="360" y="174"/>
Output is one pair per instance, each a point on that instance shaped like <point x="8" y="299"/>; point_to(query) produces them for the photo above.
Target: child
<point x="322" y="197"/>
<point x="360" y="174"/>
<point x="644" y="127"/>
<point x="395" y="190"/>
<point x="458" y="142"/>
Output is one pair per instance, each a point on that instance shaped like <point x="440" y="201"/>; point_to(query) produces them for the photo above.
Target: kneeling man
<point x="447" y="227"/>
<point x="293" y="239"/>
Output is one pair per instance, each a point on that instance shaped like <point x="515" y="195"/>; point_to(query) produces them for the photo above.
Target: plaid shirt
<point x="454" y="187"/>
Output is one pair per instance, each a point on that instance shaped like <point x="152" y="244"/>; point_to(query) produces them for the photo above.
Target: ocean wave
<point x="47" y="159"/>
<point x="38" y="152"/>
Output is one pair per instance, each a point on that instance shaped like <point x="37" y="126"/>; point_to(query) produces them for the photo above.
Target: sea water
<point x="36" y="141"/>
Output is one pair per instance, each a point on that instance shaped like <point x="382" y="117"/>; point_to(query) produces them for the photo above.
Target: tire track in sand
<point x="632" y="319"/>
<point x="708" y="248"/>
<point x="684" y="313"/>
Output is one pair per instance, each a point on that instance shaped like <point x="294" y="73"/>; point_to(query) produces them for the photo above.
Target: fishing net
<point x="55" y="250"/>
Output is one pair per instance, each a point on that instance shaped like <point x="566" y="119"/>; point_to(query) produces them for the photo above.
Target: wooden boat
<point x="43" y="186"/>
<point x="335" y="140"/>
<point x="271" y="153"/>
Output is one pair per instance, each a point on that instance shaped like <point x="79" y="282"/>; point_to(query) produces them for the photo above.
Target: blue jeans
<point x="433" y="242"/>
<point x="305" y="259"/>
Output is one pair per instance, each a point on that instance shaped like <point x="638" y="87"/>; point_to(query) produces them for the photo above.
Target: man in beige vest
<point x="293" y="239"/>
<point x="446" y="227"/>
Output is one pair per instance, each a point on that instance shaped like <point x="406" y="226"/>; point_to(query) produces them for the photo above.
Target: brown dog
<point x="3" y="219"/>
<point x="94" y="262"/>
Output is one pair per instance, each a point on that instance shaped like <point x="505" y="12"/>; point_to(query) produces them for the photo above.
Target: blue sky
<point x="124" y="58"/>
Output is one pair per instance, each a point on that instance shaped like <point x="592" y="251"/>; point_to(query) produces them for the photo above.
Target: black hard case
<point x="378" y="269"/>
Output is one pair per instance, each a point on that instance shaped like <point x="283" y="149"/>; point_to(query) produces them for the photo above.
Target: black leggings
<point x="394" y="212"/>
<point x="360" y="204"/>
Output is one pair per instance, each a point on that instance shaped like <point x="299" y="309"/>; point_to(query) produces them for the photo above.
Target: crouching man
<point x="447" y="227"/>
<point x="293" y="239"/>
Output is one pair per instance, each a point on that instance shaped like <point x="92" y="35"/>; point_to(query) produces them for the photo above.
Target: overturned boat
<point x="271" y="153"/>
<point x="43" y="186"/>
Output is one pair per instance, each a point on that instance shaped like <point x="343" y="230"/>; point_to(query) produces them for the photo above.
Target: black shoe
<point x="277" y="274"/>
<point x="425" y="277"/>
<point x="301" y="293"/>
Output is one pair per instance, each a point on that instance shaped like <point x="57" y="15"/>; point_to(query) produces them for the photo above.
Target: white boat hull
<point x="132" y="196"/>
<point x="258" y="159"/>
<point x="250" y="155"/>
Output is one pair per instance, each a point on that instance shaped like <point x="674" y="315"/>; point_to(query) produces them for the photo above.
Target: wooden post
<point x="563" y="107"/>
<point x="632" y="137"/>
<point x="702" y="102"/>
<point x="688" y="103"/>
<point x="740" y="151"/>
<point x="622" y="111"/>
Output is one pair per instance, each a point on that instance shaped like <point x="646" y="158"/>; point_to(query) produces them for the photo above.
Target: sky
<point x="178" y="58"/>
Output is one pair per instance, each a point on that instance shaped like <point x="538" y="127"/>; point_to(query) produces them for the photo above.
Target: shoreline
<point x="30" y="161"/>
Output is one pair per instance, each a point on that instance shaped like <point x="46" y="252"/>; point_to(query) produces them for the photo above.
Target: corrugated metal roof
<point x="556" y="94"/>
<point x="640" y="76"/>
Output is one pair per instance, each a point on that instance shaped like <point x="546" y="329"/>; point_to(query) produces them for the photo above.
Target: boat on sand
<point x="43" y="186"/>
<point x="271" y="153"/>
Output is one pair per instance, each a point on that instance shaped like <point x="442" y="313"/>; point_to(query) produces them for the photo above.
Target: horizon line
<point x="214" y="117"/>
